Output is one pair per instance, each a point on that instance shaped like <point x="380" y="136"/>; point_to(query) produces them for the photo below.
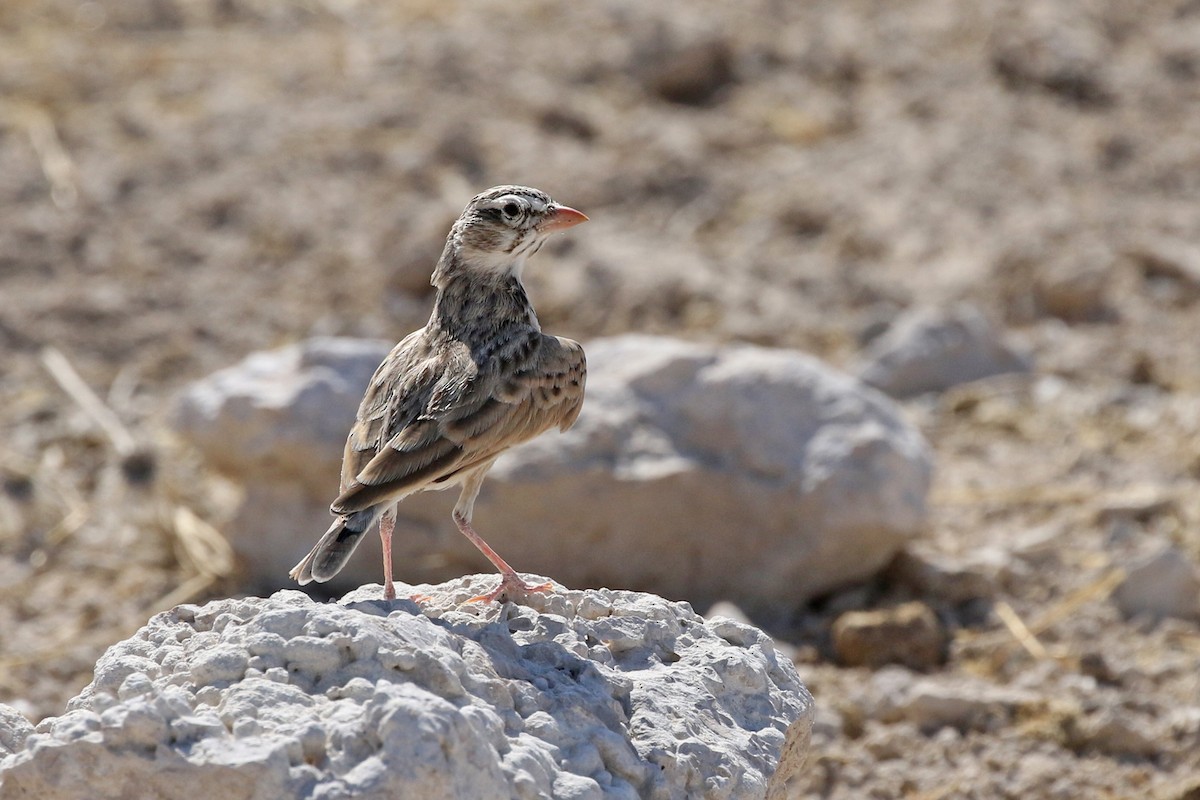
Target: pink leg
<point x="386" y="524"/>
<point x="511" y="584"/>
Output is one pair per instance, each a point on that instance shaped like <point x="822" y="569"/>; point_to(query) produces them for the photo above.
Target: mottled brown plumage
<point x="479" y="378"/>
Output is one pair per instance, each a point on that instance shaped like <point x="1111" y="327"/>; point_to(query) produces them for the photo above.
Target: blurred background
<point x="186" y="182"/>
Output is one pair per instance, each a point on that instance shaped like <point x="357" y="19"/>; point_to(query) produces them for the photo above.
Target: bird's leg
<point x="386" y="524"/>
<point x="511" y="584"/>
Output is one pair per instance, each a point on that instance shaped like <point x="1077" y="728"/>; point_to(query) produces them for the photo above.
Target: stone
<point x="909" y="634"/>
<point x="928" y="351"/>
<point x="1041" y="50"/>
<point x="1094" y="665"/>
<point x="1187" y="789"/>
<point x="932" y="705"/>
<point x="1164" y="584"/>
<point x="959" y="702"/>
<point x="753" y="475"/>
<point x="946" y="579"/>
<point x="691" y="74"/>
<point x="1041" y="544"/>
<point x="1075" y="292"/>
<point x="1116" y="733"/>
<point x="580" y="694"/>
<point x="1138" y="504"/>
<point x="1170" y="266"/>
<point x="14" y="730"/>
<point x="277" y="412"/>
<point x="728" y="610"/>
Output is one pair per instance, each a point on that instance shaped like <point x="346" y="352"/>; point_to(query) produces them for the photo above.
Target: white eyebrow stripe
<point x="536" y="204"/>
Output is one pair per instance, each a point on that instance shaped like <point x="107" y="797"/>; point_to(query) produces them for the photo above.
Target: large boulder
<point x="702" y="472"/>
<point x="581" y="694"/>
<point x="281" y="416"/>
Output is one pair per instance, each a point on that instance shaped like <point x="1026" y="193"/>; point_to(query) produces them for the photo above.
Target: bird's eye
<point x="511" y="209"/>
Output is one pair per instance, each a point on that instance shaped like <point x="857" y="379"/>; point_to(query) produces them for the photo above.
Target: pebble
<point x="908" y="634"/>
<point x="1165" y="584"/>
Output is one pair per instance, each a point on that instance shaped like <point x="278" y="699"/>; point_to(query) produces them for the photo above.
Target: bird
<point x="449" y="398"/>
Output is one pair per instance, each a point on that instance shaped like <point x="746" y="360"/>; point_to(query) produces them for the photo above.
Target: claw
<point x="511" y="588"/>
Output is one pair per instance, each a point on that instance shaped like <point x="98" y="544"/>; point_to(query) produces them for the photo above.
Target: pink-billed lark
<point x="479" y="378"/>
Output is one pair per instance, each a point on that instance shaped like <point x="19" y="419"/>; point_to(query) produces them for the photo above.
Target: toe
<point x="511" y="588"/>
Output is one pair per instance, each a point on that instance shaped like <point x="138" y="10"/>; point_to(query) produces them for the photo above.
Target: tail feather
<point x="333" y="549"/>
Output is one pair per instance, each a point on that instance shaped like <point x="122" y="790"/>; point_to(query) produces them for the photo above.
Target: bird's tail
<point x="334" y="548"/>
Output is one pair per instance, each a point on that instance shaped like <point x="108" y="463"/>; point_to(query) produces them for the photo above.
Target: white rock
<point x="14" y="730"/>
<point x="730" y="611"/>
<point x="962" y="703"/>
<point x="597" y="694"/>
<point x="745" y="474"/>
<point x="276" y="413"/>
<point x="1165" y="584"/>
<point x="929" y="350"/>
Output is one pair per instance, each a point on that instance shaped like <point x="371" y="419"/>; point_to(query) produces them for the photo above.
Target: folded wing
<point x="432" y="412"/>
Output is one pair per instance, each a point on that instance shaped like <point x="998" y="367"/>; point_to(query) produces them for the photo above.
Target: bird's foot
<point x="389" y="593"/>
<point x="511" y="588"/>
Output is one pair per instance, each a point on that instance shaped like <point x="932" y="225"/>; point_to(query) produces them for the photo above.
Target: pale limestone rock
<point x="929" y="350"/>
<point x="14" y="730"/>
<point x="596" y="694"/>
<point x="738" y="473"/>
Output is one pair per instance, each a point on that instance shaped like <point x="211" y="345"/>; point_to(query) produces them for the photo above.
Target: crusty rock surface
<point x="14" y="730"/>
<point x="750" y="474"/>
<point x="581" y="694"/>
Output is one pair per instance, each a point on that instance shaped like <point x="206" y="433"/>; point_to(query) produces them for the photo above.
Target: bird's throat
<point x="470" y="306"/>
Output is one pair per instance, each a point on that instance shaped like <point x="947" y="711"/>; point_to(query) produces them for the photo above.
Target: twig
<point x="1026" y="635"/>
<point x="1097" y="590"/>
<point x="202" y="544"/>
<point x="939" y="792"/>
<point x="1020" y="631"/>
<point x="71" y="522"/>
<point x="57" y="164"/>
<point x="77" y="389"/>
<point x="123" y="388"/>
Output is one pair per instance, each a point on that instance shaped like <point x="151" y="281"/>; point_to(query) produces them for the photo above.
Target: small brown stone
<point x="692" y="74"/>
<point x="909" y="634"/>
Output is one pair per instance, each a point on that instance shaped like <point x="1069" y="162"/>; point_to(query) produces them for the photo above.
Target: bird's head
<point x="503" y="226"/>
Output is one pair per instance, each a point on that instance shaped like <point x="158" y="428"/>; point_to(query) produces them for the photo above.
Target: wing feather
<point x="432" y="412"/>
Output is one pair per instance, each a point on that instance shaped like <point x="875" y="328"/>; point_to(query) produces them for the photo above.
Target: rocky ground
<point x="185" y="181"/>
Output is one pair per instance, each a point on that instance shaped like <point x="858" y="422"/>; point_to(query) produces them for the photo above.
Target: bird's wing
<point x="395" y="401"/>
<point x="551" y="383"/>
<point x="541" y="389"/>
<point x="448" y="414"/>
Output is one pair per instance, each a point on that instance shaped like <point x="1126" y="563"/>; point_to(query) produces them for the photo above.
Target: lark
<point x="479" y="378"/>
